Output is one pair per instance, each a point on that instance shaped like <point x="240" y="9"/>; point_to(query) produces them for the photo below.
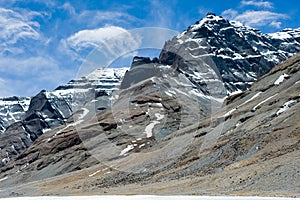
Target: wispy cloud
<point x="261" y="16"/>
<point x="68" y="7"/>
<point x="94" y="18"/>
<point x="230" y="14"/>
<point x="112" y="37"/>
<point x="256" y="18"/>
<point x="260" y="4"/>
<point x="25" y="67"/>
<point x="16" y="26"/>
<point x="276" y="24"/>
<point x="110" y="42"/>
<point x="29" y="61"/>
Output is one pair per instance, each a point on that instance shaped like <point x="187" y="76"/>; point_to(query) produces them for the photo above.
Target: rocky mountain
<point x="24" y="122"/>
<point x="169" y="128"/>
<point x="12" y="109"/>
<point x="250" y="146"/>
<point x="238" y="54"/>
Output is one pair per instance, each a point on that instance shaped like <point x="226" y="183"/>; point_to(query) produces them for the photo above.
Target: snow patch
<point x="255" y="107"/>
<point x="229" y="112"/>
<point x="164" y="66"/>
<point x="234" y="109"/>
<point x="46" y="130"/>
<point x="159" y="116"/>
<point x="24" y="166"/>
<point x="286" y="106"/>
<point x="93" y="174"/>
<point x="158" y="104"/>
<point x="180" y="41"/>
<point x="108" y="73"/>
<point x="84" y="113"/>
<point x="150" y="127"/>
<point x="96" y="172"/>
<point x="280" y="35"/>
<point x="252" y="98"/>
<point x="169" y="94"/>
<point x="205" y="20"/>
<point x="235" y="92"/>
<point x="3" y="179"/>
<point x="127" y="149"/>
<point x="280" y="79"/>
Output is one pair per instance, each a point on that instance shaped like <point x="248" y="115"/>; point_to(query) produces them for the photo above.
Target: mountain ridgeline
<point x="217" y="110"/>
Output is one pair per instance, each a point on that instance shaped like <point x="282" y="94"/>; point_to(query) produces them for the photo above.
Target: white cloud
<point x="100" y="47"/>
<point x="256" y="18"/>
<point x="16" y="26"/>
<point x="94" y="37"/>
<point x="93" y="18"/>
<point x="25" y="67"/>
<point x="276" y="24"/>
<point x="111" y="41"/>
<point x="19" y="30"/>
<point x="262" y="4"/>
<point x="49" y="3"/>
<point x="230" y="13"/>
<point x="68" y="7"/>
<point x="260" y="18"/>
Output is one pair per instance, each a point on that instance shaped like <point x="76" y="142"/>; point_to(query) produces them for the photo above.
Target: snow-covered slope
<point x="96" y="87"/>
<point x="101" y="82"/>
<point x="12" y="110"/>
<point x="23" y="122"/>
<point x="287" y="40"/>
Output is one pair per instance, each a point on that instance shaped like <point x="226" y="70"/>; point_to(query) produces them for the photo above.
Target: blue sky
<point x="44" y="43"/>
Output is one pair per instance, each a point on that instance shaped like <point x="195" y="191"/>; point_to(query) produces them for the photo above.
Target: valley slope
<point x="210" y="116"/>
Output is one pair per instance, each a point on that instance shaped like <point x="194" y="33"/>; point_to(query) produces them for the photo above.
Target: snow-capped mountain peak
<point x="238" y="54"/>
<point x="210" y="20"/>
<point x="25" y="119"/>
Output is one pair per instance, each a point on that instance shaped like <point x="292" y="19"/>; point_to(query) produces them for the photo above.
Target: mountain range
<point x="215" y="113"/>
